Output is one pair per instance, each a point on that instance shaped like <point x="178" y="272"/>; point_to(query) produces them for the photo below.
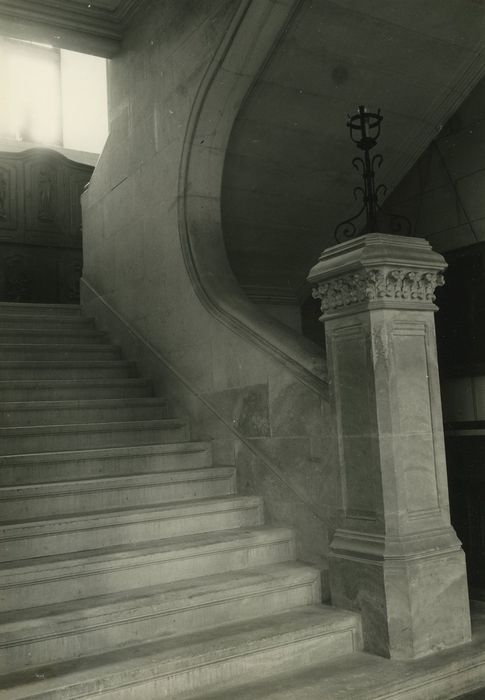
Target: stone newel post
<point x="395" y="556"/>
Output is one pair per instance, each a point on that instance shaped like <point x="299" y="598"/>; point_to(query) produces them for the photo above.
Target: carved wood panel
<point x="8" y="199"/>
<point x="40" y="226"/>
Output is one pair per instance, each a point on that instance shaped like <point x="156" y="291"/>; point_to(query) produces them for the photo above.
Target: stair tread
<point x="132" y="512"/>
<point x="161" y="657"/>
<point x="82" y="331"/>
<point x="20" y="306"/>
<point x="68" y="318"/>
<point x="65" y="363"/>
<point x="97" y="484"/>
<point x="169" y="447"/>
<point x="56" y="566"/>
<point x="67" y="404"/>
<point x="90" y="427"/>
<point x="83" y="381"/>
<point x="54" y="347"/>
<point x="355" y="675"/>
<point x="190" y="592"/>
<point x="202" y="561"/>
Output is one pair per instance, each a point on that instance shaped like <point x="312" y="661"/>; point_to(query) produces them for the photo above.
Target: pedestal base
<point x="411" y="605"/>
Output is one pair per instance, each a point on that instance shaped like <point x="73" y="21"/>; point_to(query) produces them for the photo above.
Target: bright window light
<point x="52" y="97"/>
<point x="31" y="104"/>
<point x="84" y="101"/>
<point x="34" y="110"/>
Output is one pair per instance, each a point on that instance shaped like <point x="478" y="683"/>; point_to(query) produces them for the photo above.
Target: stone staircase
<point x="130" y="568"/>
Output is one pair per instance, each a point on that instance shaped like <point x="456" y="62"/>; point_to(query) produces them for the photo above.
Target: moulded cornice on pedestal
<point x="377" y="271"/>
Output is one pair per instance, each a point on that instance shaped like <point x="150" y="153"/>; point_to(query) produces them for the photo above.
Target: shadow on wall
<point x="443" y="193"/>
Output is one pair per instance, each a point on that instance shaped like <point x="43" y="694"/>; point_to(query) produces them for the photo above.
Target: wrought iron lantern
<point x="365" y="129"/>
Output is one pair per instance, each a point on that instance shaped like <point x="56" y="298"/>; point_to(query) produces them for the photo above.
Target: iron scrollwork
<point x="365" y="129"/>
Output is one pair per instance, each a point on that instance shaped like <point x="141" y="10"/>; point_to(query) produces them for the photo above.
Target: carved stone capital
<point x="377" y="270"/>
<point x="391" y="284"/>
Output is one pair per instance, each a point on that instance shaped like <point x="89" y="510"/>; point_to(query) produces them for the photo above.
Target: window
<point x="52" y="97"/>
<point x="30" y="104"/>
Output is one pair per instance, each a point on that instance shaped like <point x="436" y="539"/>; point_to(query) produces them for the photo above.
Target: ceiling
<point x="89" y="26"/>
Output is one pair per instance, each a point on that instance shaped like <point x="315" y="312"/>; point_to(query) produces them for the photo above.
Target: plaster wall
<point x="261" y="416"/>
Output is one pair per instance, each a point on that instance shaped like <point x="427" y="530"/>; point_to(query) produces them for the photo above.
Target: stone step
<point x="58" y="578"/>
<point x="49" y="634"/>
<point x="364" y="676"/>
<point x="53" y="499"/>
<point x="68" y="389"/>
<point x="18" y="309"/>
<point x="168" y="668"/>
<point x="54" y="336"/>
<point x="103" y="462"/>
<point x="24" y="413"/>
<point x="74" y="533"/>
<point x="52" y="322"/>
<point x="59" y="351"/>
<point x="78" y="436"/>
<point x="61" y="369"/>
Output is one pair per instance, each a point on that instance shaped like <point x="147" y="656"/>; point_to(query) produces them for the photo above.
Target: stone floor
<point x="450" y="675"/>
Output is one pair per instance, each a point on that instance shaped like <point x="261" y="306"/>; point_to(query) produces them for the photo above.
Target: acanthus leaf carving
<point x="368" y="285"/>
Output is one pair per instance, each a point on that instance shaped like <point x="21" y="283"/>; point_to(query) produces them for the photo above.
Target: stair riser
<point x="103" y="632"/>
<point x="61" y="353"/>
<point x="53" y="393"/>
<point x="53" y="372"/>
<point x="56" y="442"/>
<point x="32" y="544"/>
<point x="26" y="417"/>
<point x="166" y="681"/>
<point x="46" y="506"/>
<point x="117" y="465"/>
<point x="69" y="583"/>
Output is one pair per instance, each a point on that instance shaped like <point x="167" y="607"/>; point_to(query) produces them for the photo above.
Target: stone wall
<point x="269" y="419"/>
<point x="442" y="194"/>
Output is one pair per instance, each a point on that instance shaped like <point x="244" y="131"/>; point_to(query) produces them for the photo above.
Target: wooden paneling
<point x="8" y="198"/>
<point x="40" y="226"/>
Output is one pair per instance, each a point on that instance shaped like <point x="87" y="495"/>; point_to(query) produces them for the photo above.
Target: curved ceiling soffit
<point x="253" y="34"/>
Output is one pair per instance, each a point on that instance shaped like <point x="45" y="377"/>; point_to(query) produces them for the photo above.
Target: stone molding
<point x="96" y="28"/>
<point x="391" y="284"/>
<point x="377" y="270"/>
<point x="380" y="547"/>
<point x="270" y="295"/>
